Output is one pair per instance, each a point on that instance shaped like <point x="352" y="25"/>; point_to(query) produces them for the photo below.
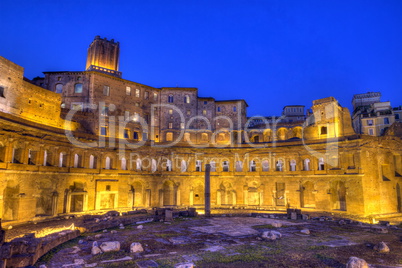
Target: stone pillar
<point x="130" y="199"/>
<point x="207" y="190"/>
<point x="219" y="198"/>
<point x="161" y="197"/>
<point x="55" y="197"/>
<point x="191" y="197"/>
<point x="245" y="196"/>
<point x="147" y="197"/>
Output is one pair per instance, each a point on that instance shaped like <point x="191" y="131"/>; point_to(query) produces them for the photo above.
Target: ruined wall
<point x="23" y="99"/>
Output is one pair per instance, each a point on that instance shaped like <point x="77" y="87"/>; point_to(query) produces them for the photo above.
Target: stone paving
<point x="238" y="226"/>
<point x="233" y="242"/>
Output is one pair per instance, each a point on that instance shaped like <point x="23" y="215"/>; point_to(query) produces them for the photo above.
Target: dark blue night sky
<point x="270" y="53"/>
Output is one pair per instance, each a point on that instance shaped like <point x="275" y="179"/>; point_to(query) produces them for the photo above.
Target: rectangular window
<point x="182" y="125"/>
<point x="225" y="166"/>
<point x="78" y="88"/>
<point x="369" y="122"/>
<point x="2" y="92"/>
<point x="106" y="90"/>
<point x="205" y="102"/>
<point x="105" y="111"/>
<point x="126" y="133"/>
<point x="137" y="93"/>
<point x="198" y="165"/>
<point x="170" y="125"/>
<point x="234" y="109"/>
<point x="103" y="131"/>
<point x="219" y="109"/>
<point x="135" y="135"/>
<point x="371" y="131"/>
<point x="146" y="95"/>
<point x="126" y="115"/>
<point x="128" y="91"/>
<point x="135" y="117"/>
<point x="155" y="96"/>
<point x="204" y="112"/>
<point x="386" y="121"/>
<point x="396" y="115"/>
<point x="76" y="106"/>
<point x="188" y="112"/>
<point x="170" y="111"/>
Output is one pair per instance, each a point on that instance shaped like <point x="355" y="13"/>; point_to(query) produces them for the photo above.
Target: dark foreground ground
<point x="234" y="242"/>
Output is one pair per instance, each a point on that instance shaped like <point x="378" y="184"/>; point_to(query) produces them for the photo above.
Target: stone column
<point x="207" y="190"/>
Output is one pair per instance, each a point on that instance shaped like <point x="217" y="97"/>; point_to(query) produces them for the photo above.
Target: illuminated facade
<point x="108" y="147"/>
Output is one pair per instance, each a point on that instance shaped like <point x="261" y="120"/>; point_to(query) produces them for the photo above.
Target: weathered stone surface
<point x="98" y="236"/>
<point x="305" y="231"/>
<point x="79" y="261"/>
<point x="110" y="246"/>
<point x="127" y="258"/>
<point x="277" y="224"/>
<point x="146" y="264"/>
<point x="136" y="247"/>
<point x="184" y="265"/>
<point x="271" y="235"/>
<point x="355" y="262"/>
<point x="95" y="250"/>
<point x="381" y="247"/>
<point x="168" y="215"/>
<point x="140" y="227"/>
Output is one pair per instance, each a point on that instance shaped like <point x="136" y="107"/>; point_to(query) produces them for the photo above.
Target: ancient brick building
<point x="78" y="142"/>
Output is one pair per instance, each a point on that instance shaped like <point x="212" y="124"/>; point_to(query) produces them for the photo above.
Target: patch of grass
<point x="50" y="254"/>
<point x="317" y="247"/>
<point x="343" y="229"/>
<point x="265" y="226"/>
<point x="167" y="234"/>
<point x="168" y="263"/>
<point x="127" y="264"/>
<point x="246" y="254"/>
<point x="112" y="255"/>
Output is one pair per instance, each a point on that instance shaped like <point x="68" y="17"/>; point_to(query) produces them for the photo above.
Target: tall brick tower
<point x="103" y="56"/>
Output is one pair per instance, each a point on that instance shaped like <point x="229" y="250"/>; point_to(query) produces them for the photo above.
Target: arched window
<point x="204" y="136"/>
<point x="321" y="164"/>
<point x="154" y="166"/>
<point x="306" y="164"/>
<point x="78" y="88"/>
<point x="59" y="88"/>
<point x="108" y="163"/>
<point x="292" y="165"/>
<point x="169" y="136"/>
<point x="213" y="166"/>
<point x="239" y="166"/>
<point x="279" y="165"/>
<point x="170" y="98"/>
<point x="253" y="166"/>
<point x="139" y="164"/>
<point x="92" y="161"/>
<point x="45" y="158"/>
<point x="183" y="166"/>
<point x="198" y="165"/>
<point x="62" y="160"/>
<point x="225" y="166"/>
<point x="168" y="165"/>
<point x="123" y="163"/>
<point x="265" y="165"/>
<point x="77" y="161"/>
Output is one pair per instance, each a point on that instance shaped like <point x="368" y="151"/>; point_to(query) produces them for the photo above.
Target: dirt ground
<point x="234" y="242"/>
